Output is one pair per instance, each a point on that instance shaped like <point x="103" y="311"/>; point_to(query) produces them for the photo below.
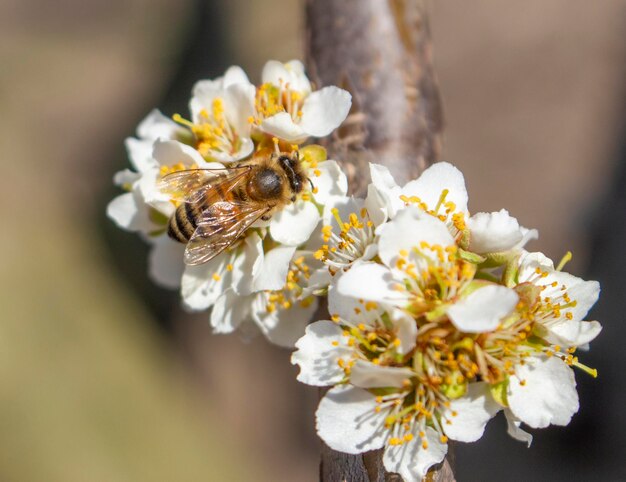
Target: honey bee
<point x="218" y="205"/>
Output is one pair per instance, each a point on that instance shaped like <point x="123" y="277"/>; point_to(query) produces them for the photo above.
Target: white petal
<point x="527" y="236"/>
<point x="319" y="280"/>
<point x="382" y="178"/>
<point x="483" y="309"/>
<point x="411" y="460"/>
<point x="387" y="189"/>
<point x="318" y="353"/>
<point x="235" y="75"/>
<point x="406" y="330"/>
<point x="248" y="265"/>
<point x="330" y="183"/>
<point x="229" y="311"/>
<point x="473" y="411"/>
<point x="282" y="327"/>
<point x="366" y="374"/>
<point x="346" y="420"/>
<point x="291" y="72"/>
<point x="165" y="263"/>
<point x="371" y="281"/>
<point x="157" y="126"/>
<point x="125" y="177"/>
<point x="350" y="307"/>
<point x="129" y="212"/>
<point x="239" y="106"/>
<point x="273" y="274"/>
<point x="430" y="185"/>
<point x="493" y="232"/>
<point x="203" y="284"/>
<point x="408" y="230"/>
<point x="282" y="126"/>
<point x="168" y="153"/>
<point x="585" y="293"/>
<point x="548" y="395"/>
<point x="573" y="333"/>
<point x="140" y="154"/>
<point x="514" y="430"/>
<point x="375" y="205"/>
<point x="324" y="110"/>
<point x="344" y="206"/>
<point x="295" y="223"/>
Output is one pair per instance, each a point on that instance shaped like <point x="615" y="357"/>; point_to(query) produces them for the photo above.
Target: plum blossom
<point x="392" y="391"/>
<point x="422" y="271"/>
<point x="280" y="314"/>
<point x="288" y="108"/>
<point x="220" y="110"/>
<point x="542" y="389"/>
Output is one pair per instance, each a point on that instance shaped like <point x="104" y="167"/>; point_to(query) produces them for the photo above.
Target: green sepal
<point x="473" y="286"/>
<point x="157" y="217"/>
<point x="157" y="232"/>
<point x="498" y="392"/>
<point x="185" y="136"/>
<point x="471" y="257"/>
<point x="493" y="260"/>
<point x="381" y="392"/>
<point x="511" y="271"/>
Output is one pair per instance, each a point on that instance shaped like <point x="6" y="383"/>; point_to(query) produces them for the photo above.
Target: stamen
<point x="566" y="259"/>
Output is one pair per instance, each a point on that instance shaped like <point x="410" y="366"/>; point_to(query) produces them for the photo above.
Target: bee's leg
<point x="266" y="217"/>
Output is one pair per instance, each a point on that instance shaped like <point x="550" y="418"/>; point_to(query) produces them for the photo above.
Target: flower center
<point x="423" y="396"/>
<point x="444" y="210"/>
<point x="433" y="275"/>
<point x="340" y="249"/>
<point x="299" y="272"/>
<point x="212" y="132"/>
<point x="273" y="99"/>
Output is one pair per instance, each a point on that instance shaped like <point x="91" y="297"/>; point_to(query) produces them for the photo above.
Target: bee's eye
<point x="268" y="183"/>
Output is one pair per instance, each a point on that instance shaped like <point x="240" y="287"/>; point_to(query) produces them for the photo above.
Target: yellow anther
<point x="371" y="305"/>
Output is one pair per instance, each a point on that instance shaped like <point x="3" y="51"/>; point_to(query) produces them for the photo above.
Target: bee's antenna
<point x="311" y="183"/>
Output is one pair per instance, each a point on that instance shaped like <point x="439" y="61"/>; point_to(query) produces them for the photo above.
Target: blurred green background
<point x="103" y="378"/>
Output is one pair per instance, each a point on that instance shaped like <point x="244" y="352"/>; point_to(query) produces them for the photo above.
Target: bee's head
<point x="293" y="170"/>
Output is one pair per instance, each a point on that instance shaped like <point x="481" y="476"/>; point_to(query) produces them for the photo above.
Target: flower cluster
<point x="439" y="320"/>
<point x="262" y="276"/>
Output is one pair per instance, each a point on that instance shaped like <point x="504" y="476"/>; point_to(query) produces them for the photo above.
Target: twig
<point x="380" y="51"/>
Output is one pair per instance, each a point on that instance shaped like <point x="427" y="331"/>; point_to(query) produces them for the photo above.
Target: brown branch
<point x="380" y="51"/>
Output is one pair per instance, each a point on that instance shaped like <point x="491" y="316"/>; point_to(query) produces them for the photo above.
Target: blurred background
<point x="104" y="378"/>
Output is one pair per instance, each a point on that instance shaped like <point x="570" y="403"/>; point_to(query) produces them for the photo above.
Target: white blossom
<point x="281" y="313"/>
<point x="286" y="106"/>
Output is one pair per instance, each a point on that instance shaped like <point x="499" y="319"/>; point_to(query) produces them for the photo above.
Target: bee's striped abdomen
<point x="185" y="220"/>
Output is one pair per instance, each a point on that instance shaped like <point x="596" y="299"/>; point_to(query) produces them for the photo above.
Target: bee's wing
<point x="222" y="223"/>
<point x="191" y="185"/>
